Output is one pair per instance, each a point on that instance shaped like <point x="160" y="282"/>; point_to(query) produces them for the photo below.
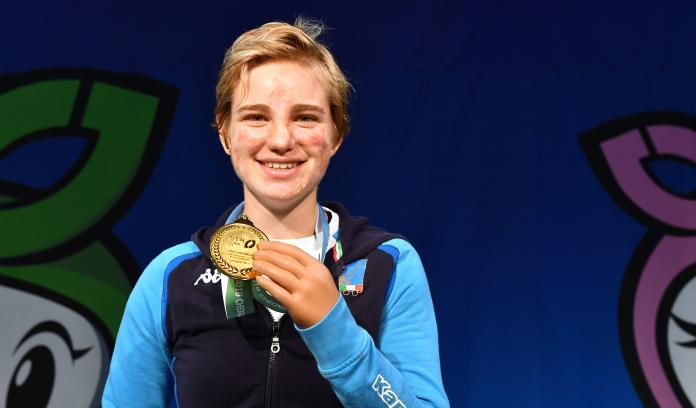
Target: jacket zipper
<point x="275" y="349"/>
<point x="272" y="359"/>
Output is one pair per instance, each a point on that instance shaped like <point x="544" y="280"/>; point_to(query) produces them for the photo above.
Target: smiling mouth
<point x="276" y="165"/>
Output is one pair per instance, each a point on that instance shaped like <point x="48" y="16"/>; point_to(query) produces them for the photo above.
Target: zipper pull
<point x="275" y="343"/>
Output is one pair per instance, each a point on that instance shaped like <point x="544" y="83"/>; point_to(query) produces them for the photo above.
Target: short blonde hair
<point x="282" y="41"/>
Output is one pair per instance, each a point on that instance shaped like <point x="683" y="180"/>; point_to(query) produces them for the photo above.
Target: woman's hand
<point x="301" y="283"/>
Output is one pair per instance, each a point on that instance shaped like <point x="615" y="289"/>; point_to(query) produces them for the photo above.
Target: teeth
<point x="280" y="165"/>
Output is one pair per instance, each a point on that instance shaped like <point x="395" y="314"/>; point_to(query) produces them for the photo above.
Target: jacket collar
<point x="357" y="236"/>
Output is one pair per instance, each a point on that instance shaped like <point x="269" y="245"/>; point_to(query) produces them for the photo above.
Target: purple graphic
<point x="657" y="312"/>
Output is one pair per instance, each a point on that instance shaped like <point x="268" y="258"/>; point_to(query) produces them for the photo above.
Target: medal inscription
<point x="232" y="247"/>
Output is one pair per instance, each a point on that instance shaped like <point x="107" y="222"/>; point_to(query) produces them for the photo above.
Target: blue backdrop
<point x="465" y="139"/>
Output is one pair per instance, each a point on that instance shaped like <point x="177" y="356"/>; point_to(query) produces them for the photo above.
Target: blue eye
<point x="254" y="118"/>
<point x="306" y="118"/>
<point x="676" y="175"/>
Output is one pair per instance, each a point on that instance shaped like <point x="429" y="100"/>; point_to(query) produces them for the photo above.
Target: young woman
<point x="341" y="312"/>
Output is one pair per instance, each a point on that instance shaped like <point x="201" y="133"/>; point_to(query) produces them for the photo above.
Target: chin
<point x="276" y="198"/>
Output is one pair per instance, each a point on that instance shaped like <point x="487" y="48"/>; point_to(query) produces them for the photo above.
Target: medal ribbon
<point x="238" y="297"/>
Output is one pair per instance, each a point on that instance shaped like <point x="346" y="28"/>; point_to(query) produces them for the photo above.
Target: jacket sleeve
<point x="140" y="371"/>
<point x="400" y="369"/>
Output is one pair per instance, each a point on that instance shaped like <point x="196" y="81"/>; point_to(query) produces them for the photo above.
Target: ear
<point x="337" y="143"/>
<point x="224" y="141"/>
<point x="335" y="147"/>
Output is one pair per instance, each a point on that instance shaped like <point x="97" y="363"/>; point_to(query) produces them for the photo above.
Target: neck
<point x="282" y="222"/>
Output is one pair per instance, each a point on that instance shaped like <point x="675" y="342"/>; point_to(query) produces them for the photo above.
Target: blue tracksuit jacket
<point x="377" y="347"/>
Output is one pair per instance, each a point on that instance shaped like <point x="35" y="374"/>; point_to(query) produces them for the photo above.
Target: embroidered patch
<point x="350" y="282"/>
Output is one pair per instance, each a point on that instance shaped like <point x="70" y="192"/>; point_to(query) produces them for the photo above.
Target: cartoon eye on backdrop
<point x="647" y="163"/>
<point x="52" y="353"/>
<point x="677" y="318"/>
<point x="76" y="147"/>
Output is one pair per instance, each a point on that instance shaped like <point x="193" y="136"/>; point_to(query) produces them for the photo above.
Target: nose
<point x="280" y="140"/>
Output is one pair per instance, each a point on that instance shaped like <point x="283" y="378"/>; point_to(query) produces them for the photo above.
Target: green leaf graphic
<point x="123" y="119"/>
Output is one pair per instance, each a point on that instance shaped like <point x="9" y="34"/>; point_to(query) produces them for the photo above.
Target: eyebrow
<point x="307" y="107"/>
<point x="296" y="108"/>
<point x="255" y="108"/>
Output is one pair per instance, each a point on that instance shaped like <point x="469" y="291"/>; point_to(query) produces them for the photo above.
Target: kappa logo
<point x="208" y="277"/>
<point x="385" y="392"/>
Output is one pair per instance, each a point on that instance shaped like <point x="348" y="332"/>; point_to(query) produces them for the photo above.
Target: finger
<point x="280" y="260"/>
<point x="277" y="291"/>
<point x="280" y="276"/>
<point x="287" y="249"/>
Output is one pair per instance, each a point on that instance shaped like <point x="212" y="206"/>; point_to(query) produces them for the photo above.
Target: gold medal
<point x="232" y="246"/>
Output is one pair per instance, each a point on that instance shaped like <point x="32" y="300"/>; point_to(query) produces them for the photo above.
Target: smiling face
<point x="280" y="135"/>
